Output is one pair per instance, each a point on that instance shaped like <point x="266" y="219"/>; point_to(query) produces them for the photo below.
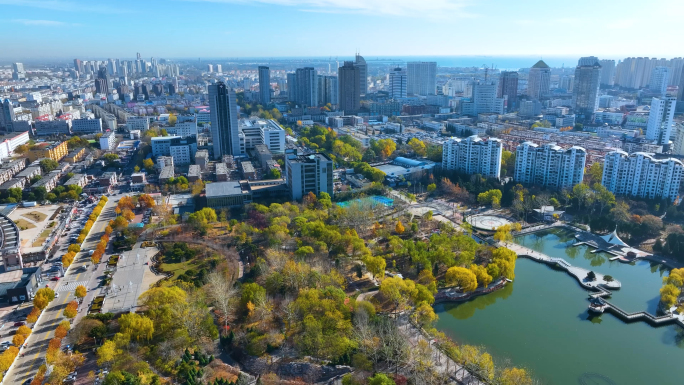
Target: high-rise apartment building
<point x="360" y="63"/>
<point x="421" y="78"/>
<point x="660" y="76"/>
<point x="78" y="66"/>
<point x="210" y="68"/>
<point x="309" y="173"/>
<point x="398" y="83"/>
<point x="264" y="85"/>
<point x="102" y="81"/>
<point x="539" y="81"/>
<point x="549" y="165"/>
<point x="585" y="92"/>
<point x="508" y="89"/>
<point x="7" y="115"/>
<point x="306" y="89"/>
<point x="219" y="69"/>
<point x="349" y="87"/>
<point x="483" y="101"/>
<point x="224" y="122"/>
<point x="660" y="118"/>
<point x="292" y="87"/>
<point x="18" y="71"/>
<point x="641" y="175"/>
<point x="327" y="90"/>
<point x="473" y="155"/>
<point x="607" y="72"/>
<point x="678" y="146"/>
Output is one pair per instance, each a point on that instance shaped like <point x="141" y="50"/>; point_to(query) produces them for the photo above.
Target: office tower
<point x="473" y="155"/>
<point x="111" y="67"/>
<point x="292" y="87"/>
<point x="641" y="175"/>
<point x="421" y="78"/>
<point x="78" y="66"/>
<point x="137" y="55"/>
<point x="18" y="72"/>
<point x="219" y="69"/>
<point x="508" y="89"/>
<point x="483" y="100"/>
<point x="680" y="93"/>
<point x="224" y="122"/>
<point x="607" y="72"/>
<point x="264" y="85"/>
<point x="102" y="81"/>
<point x="586" y="89"/>
<point x="349" y="87"/>
<point x="660" y="118"/>
<point x="327" y="90"/>
<point x="210" y="68"/>
<point x="398" y="83"/>
<point x="309" y="173"/>
<point x="660" y="76"/>
<point x="307" y="88"/>
<point x="539" y="81"/>
<point x="360" y="63"/>
<point x="549" y="165"/>
<point x="7" y="115"/>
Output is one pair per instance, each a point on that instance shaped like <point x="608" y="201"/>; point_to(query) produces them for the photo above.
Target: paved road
<point x="34" y="354"/>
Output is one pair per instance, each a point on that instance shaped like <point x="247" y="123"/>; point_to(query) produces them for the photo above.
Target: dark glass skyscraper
<point x="224" y="122"/>
<point x="349" y="87"/>
<point x="508" y="89"/>
<point x="264" y="85"/>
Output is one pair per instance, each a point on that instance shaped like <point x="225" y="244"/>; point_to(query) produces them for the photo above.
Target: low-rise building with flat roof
<point x="108" y="179"/>
<point x="202" y="159"/>
<point x="227" y="194"/>
<point x="221" y="172"/>
<point x="194" y="173"/>
<point x="166" y="174"/>
<point x="248" y="171"/>
<point x="138" y="177"/>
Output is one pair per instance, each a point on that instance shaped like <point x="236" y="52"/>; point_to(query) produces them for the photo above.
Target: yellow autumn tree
<point x="399" y="228"/>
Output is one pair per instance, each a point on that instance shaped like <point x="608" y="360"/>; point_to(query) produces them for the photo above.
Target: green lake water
<point x="541" y="322"/>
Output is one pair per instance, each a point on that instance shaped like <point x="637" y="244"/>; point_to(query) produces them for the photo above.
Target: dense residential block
<point x="473" y="155"/>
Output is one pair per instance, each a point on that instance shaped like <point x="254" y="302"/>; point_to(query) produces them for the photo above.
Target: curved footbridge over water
<point x="600" y="285"/>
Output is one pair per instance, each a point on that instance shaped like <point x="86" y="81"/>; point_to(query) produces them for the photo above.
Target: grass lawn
<point x="178" y="268"/>
<point x="43" y="236"/>
<point x="35" y="216"/>
<point x="24" y="224"/>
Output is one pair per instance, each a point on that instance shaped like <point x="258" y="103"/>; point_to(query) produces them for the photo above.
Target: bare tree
<point x="222" y="294"/>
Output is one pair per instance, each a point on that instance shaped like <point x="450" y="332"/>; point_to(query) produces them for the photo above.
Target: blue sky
<point x="34" y="29"/>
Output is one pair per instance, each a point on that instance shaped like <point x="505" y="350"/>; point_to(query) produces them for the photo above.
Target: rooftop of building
<point x="194" y="170"/>
<point x="222" y="189"/>
<point x="9" y="233"/>
<point x="308" y="158"/>
<point x="166" y="173"/>
<point x="540" y="64"/>
<point x="247" y="166"/>
<point x="221" y="168"/>
<point x="74" y="179"/>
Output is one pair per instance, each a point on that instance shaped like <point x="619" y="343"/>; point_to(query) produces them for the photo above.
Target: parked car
<point x="20" y="323"/>
<point x="54" y="279"/>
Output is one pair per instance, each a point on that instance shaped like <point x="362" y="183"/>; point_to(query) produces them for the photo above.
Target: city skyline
<point x="52" y="29"/>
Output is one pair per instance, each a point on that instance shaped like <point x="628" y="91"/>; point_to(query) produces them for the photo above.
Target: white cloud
<point x="415" y="8"/>
<point x="43" y="23"/>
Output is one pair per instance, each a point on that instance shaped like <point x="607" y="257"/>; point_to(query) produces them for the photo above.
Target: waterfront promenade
<point x="599" y="285"/>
